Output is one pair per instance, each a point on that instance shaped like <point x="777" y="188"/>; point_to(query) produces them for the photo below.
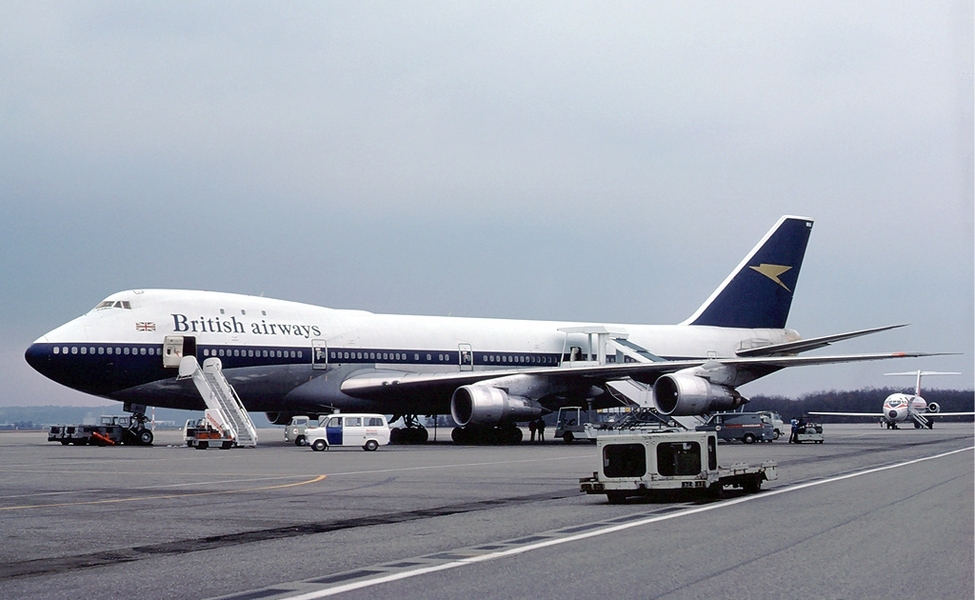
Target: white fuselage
<point x="898" y="407"/>
<point x="268" y="346"/>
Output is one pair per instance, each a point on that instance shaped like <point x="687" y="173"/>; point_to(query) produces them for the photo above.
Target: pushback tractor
<point x="110" y="430"/>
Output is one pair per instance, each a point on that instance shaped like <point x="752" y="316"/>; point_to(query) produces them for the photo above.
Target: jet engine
<point x="488" y="405"/>
<point x="934" y="407"/>
<point x="682" y="394"/>
<point x="279" y="418"/>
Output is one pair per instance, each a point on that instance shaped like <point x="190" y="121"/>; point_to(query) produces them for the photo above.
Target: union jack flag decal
<point x="144" y="326"/>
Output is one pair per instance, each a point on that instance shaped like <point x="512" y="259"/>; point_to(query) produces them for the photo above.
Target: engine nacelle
<point x="934" y="407"/>
<point x="682" y="394"/>
<point x="280" y="418"/>
<point x="488" y="405"/>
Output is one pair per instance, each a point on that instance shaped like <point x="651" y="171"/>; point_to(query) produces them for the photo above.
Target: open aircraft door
<point x="175" y="347"/>
<point x="466" y="357"/>
<point x="319" y="354"/>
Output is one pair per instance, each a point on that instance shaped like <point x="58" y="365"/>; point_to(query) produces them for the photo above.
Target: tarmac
<point x="870" y="513"/>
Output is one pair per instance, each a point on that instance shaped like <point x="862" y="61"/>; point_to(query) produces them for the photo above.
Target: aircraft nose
<point x="38" y="356"/>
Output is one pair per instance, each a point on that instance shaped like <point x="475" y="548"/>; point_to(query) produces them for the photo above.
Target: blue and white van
<point x="367" y="430"/>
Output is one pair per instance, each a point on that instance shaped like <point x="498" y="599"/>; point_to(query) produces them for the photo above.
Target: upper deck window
<point x="124" y="304"/>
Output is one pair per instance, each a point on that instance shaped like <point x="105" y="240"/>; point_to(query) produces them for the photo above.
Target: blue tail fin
<point x="758" y="293"/>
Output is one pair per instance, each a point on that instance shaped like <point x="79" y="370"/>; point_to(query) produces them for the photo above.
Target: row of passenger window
<point x="443" y="357"/>
<point x="521" y="359"/>
<point x="123" y="350"/>
<point x="157" y="351"/>
<point x="254" y="353"/>
<point x="334" y="355"/>
<point x="395" y="356"/>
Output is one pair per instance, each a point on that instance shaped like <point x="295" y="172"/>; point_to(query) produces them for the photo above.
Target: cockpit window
<point x="104" y="304"/>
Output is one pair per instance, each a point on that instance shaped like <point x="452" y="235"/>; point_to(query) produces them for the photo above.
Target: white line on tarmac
<point x="598" y="532"/>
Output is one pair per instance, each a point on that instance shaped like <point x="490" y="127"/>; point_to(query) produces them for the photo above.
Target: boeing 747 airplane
<point x="286" y="358"/>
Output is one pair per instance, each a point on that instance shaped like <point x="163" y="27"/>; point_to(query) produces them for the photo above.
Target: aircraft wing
<point x="387" y="384"/>
<point x="928" y="415"/>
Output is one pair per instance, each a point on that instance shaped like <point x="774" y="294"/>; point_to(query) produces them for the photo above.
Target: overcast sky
<point x="596" y="162"/>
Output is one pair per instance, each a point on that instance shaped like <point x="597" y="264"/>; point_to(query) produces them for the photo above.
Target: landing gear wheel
<point x="716" y="491"/>
<point x="459" y="436"/>
<point x="145" y="437"/>
<point x="413" y="433"/>
<point x="512" y="436"/>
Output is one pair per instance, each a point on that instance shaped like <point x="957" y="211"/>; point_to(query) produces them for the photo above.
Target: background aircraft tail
<point x="920" y="374"/>
<point x="758" y="293"/>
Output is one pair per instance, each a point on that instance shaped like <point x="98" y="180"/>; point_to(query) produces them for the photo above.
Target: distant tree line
<point x="28" y="425"/>
<point x="865" y="400"/>
<point x="40" y="417"/>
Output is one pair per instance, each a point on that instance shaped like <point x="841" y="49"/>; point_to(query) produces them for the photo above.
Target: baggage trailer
<point x="809" y="432"/>
<point x="685" y="462"/>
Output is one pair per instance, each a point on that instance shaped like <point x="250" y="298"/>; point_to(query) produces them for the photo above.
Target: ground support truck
<point x="643" y="420"/>
<point x="212" y="431"/>
<point x="110" y="430"/>
<point x="295" y="431"/>
<point x="668" y="464"/>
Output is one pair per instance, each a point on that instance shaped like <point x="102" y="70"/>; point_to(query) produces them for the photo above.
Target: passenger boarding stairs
<point x="920" y="420"/>
<point x="628" y="391"/>
<point x="220" y="398"/>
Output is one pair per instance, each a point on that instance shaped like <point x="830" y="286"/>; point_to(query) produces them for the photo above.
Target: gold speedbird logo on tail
<point x="773" y="272"/>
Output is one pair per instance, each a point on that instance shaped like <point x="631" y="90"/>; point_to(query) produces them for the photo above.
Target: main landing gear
<point x="413" y="433"/>
<point x="506" y="434"/>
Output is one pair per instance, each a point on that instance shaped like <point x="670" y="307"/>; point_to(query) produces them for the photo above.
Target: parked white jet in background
<point x="901" y="408"/>
<point x="286" y="358"/>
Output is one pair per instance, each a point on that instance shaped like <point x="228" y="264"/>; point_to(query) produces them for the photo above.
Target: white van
<point x="778" y="425"/>
<point x="368" y="430"/>
<point x="295" y="431"/>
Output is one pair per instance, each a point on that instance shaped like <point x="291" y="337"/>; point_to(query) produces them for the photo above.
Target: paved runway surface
<point x="871" y="513"/>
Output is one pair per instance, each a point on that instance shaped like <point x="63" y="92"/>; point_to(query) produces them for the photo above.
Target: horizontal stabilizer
<point x="812" y="343"/>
